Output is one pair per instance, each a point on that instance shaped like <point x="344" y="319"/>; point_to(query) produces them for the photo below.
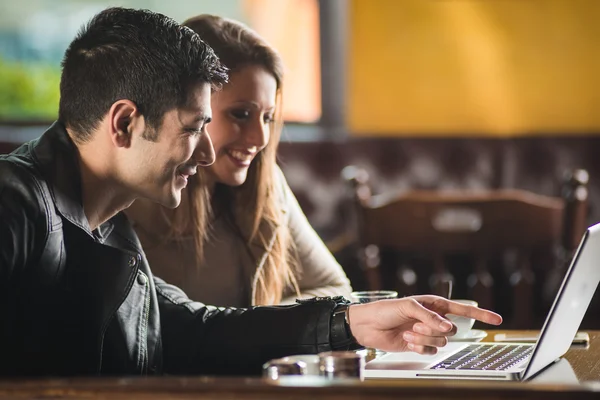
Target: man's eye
<point x="194" y="131"/>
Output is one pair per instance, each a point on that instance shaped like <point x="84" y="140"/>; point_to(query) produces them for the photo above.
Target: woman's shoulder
<point x="282" y="188"/>
<point x="278" y="176"/>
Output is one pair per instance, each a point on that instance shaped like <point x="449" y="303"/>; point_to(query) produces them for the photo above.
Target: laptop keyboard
<point x="479" y="357"/>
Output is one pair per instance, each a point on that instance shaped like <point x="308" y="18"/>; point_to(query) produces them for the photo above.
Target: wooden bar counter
<point x="577" y="376"/>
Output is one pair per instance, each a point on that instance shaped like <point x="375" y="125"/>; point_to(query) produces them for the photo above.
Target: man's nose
<point x="204" y="154"/>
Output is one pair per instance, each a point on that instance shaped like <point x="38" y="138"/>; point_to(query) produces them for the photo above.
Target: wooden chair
<point x="491" y="227"/>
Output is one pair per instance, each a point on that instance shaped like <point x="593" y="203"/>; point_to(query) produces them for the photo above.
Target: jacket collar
<point x="56" y="155"/>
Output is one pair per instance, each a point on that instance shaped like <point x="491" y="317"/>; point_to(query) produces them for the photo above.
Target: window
<point x="292" y="27"/>
<point x="34" y="35"/>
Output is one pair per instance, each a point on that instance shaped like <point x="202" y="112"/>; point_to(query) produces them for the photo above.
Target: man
<point x="77" y="295"/>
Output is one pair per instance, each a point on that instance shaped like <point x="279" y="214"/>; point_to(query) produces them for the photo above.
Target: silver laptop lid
<point x="570" y="304"/>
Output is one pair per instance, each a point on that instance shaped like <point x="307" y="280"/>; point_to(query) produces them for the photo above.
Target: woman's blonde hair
<point x="255" y="207"/>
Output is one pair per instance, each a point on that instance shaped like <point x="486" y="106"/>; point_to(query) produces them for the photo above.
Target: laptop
<point x="510" y="361"/>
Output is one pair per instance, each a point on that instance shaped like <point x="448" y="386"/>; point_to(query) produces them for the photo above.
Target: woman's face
<point x="242" y="114"/>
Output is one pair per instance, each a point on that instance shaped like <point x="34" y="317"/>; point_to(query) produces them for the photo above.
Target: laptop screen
<point x="570" y="304"/>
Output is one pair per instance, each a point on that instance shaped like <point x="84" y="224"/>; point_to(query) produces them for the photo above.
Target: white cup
<point x="463" y="324"/>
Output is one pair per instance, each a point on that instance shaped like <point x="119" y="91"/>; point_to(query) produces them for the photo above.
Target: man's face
<point x="159" y="170"/>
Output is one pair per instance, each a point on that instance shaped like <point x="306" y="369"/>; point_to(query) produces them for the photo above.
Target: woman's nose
<point x="258" y="135"/>
<point x="204" y="154"/>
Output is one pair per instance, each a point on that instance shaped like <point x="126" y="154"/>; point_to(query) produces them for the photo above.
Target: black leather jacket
<point x="77" y="302"/>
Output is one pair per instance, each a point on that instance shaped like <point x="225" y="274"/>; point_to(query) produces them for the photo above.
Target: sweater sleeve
<point x="319" y="272"/>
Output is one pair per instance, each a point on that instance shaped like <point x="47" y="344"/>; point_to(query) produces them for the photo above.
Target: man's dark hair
<point x="139" y="55"/>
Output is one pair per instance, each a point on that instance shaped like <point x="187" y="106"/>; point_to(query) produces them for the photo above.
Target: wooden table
<point x="585" y="363"/>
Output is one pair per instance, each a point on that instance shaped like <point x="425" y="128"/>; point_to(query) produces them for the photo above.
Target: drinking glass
<point x="372" y="295"/>
<point x="367" y="297"/>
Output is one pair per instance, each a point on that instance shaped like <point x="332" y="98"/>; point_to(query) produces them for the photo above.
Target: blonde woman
<point x="239" y="237"/>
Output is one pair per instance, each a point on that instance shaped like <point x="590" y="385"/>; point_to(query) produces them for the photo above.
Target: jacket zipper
<point x="144" y="327"/>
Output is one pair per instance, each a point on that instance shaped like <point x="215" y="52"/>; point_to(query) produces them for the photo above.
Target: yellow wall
<point x="485" y="67"/>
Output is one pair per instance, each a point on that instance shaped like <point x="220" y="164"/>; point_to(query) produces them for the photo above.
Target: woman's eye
<point x="240" y="114"/>
<point x="268" y="119"/>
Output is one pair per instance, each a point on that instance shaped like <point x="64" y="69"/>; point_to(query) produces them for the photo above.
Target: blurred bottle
<point x="280" y="367"/>
<point x="341" y="365"/>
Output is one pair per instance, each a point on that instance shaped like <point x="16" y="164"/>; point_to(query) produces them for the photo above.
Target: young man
<point x="77" y="296"/>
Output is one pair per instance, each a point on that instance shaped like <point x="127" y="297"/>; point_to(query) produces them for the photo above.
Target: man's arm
<point x="210" y="340"/>
<point x="22" y="219"/>
<point x="19" y="227"/>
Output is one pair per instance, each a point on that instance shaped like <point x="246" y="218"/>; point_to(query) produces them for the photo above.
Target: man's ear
<point x="125" y="120"/>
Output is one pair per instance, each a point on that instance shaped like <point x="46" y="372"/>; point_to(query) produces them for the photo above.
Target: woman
<point x="239" y="237"/>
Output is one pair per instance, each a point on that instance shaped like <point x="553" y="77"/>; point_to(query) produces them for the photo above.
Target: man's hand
<point x="412" y="323"/>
